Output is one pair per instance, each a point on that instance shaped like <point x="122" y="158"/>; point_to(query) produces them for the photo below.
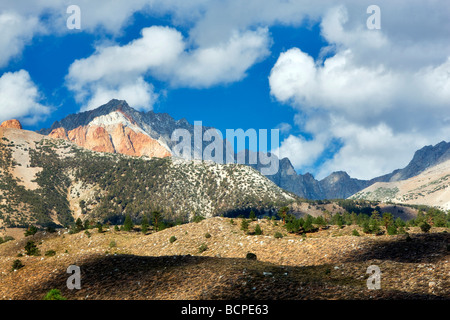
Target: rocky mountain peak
<point x="15" y="124"/>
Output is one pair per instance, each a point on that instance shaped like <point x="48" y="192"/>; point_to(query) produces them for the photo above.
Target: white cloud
<point x="16" y="32"/>
<point x="284" y="127"/>
<point x="387" y="85"/>
<point x="222" y="63"/>
<point x="301" y="152"/>
<point x="163" y="53"/>
<point x="19" y="98"/>
<point x="379" y="110"/>
<point x="139" y="95"/>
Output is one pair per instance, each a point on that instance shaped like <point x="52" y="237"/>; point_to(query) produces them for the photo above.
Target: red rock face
<point x="122" y="140"/>
<point x="59" y="133"/>
<point x="15" y="124"/>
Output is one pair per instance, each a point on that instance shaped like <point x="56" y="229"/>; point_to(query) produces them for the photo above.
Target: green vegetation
<point x="50" y="253"/>
<point x="128" y="223"/>
<point x="244" y="225"/>
<point x="144" y="225"/>
<point x="258" y="230"/>
<point x="424" y="226"/>
<point x="207" y="235"/>
<point x="283" y="212"/>
<point x="31" y="249"/>
<point x="31" y="231"/>
<point x="6" y="239"/>
<point x="17" y="264"/>
<point x="203" y="247"/>
<point x="124" y="186"/>
<point x="54" y="294"/>
<point x="172" y="239"/>
<point x="278" y="235"/>
<point x="197" y="218"/>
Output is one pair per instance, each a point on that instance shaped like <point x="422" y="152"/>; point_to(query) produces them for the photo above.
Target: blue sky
<point x="345" y="97"/>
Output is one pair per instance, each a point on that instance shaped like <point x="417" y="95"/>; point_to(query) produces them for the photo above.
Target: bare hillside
<point x="329" y="264"/>
<point x="429" y="188"/>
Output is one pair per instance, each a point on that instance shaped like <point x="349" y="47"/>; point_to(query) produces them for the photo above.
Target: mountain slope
<point x="117" y="128"/>
<point x="53" y="181"/>
<point x="339" y="185"/>
<point x="430" y="187"/>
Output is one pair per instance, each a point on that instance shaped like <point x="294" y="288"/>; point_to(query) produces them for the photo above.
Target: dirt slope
<point x="329" y="264"/>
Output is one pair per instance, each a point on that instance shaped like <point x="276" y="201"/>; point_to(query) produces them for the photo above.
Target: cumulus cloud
<point x="284" y="127"/>
<point x="380" y="111"/>
<point x="301" y="152"/>
<point x="139" y="94"/>
<point x="388" y="85"/>
<point x="163" y="53"/>
<point x="17" y="31"/>
<point x="20" y="98"/>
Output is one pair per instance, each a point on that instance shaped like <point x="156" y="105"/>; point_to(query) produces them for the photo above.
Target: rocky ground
<point x="329" y="264"/>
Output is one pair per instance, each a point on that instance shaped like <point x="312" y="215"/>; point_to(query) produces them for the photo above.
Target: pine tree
<point x="244" y="225"/>
<point x="128" y="223"/>
<point x="252" y="215"/>
<point x="79" y="225"/>
<point x="283" y="213"/>
<point x="156" y="215"/>
<point x="144" y="225"/>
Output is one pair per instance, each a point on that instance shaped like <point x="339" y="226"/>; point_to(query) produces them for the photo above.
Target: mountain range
<point x="53" y="181"/>
<point x="116" y="127"/>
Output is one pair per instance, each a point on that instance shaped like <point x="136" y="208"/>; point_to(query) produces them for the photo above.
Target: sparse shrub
<point x="128" y="223"/>
<point x="50" y="253"/>
<point x="202" y="248"/>
<point x="366" y="227"/>
<point x="50" y="229"/>
<point x="197" y="218"/>
<point x="6" y="239"/>
<point x="207" y="235"/>
<point x="31" y="249"/>
<point x="244" y="225"/>
<point x="116" y="228"/>
<point x="250" y="256"/>
<point x="252" y="216"/>
<point x="232" y="221"/>
<point x="54" y="294"/>
<point x="17" y="264"/>
<point x="172" y="239"/>
<point x="99" y="227"/>
<point x="278" y="235"/>
<point x="79" y="225"/>
<point x="87" y="233"/>
<point x="425" y="227"/>
<point x="31" y="231"/>
<point x="258" y="230"/>
<point x="355" y="233"/>
<point x="401" y="230"/>
<point x="392" y="229"/>
<point x="112" y="244"/>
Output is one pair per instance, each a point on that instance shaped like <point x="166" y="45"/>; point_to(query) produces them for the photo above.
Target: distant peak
<point x="14" y="123"/>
